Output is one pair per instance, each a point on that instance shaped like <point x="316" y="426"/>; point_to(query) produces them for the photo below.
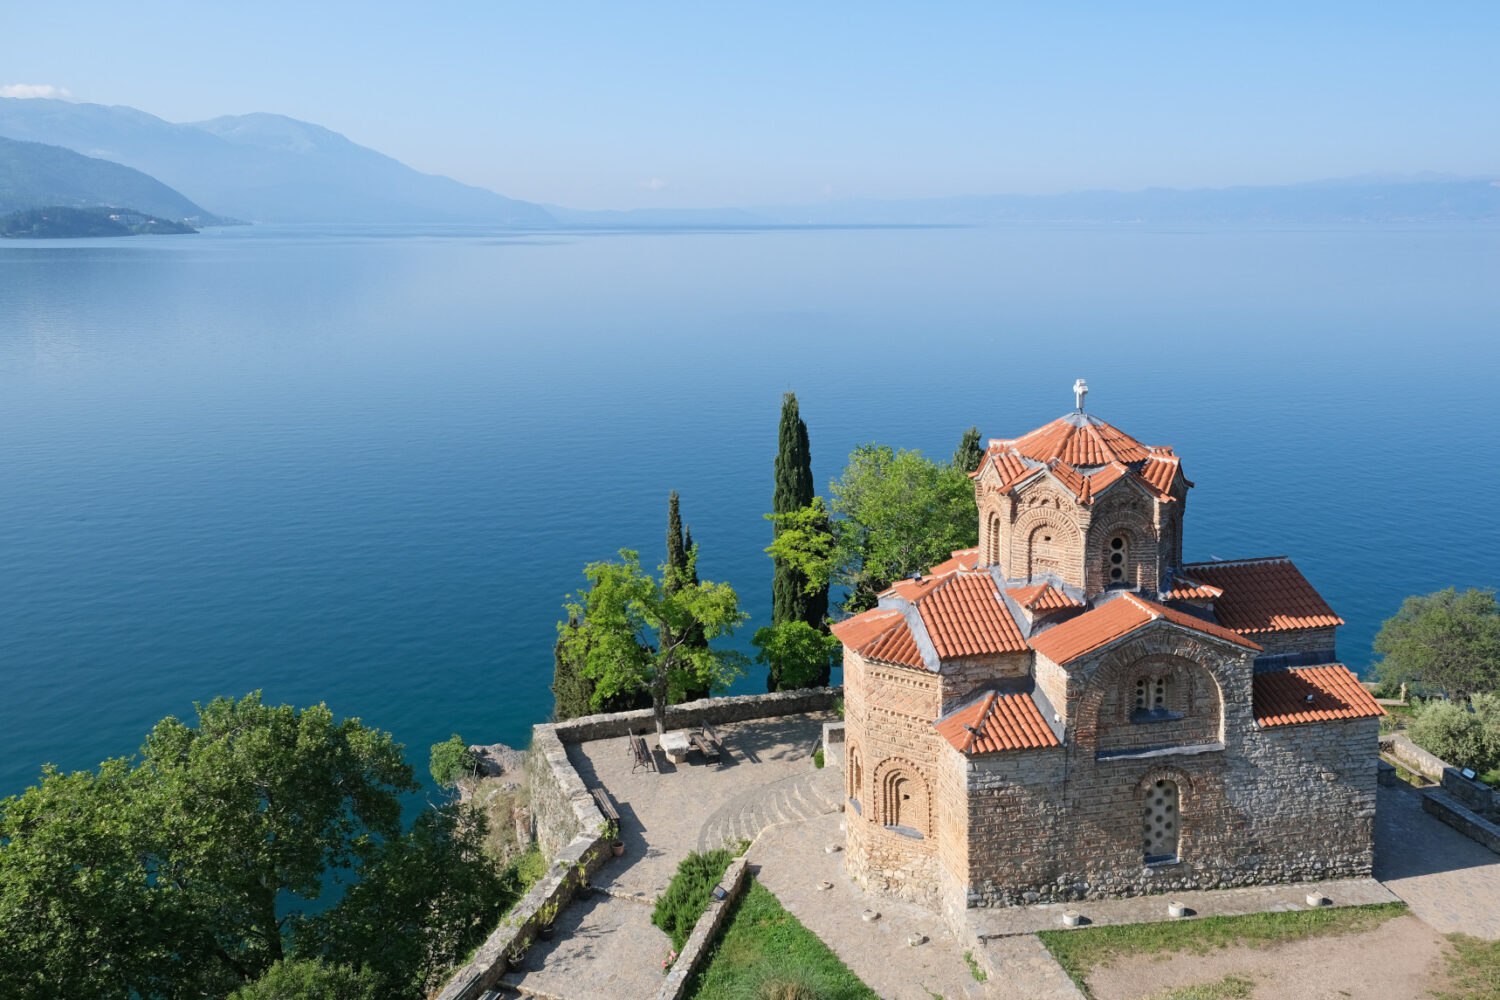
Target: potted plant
<point x="616" y="845"/>
<point x="585" y="890"/>
<point x="545" y="915"/>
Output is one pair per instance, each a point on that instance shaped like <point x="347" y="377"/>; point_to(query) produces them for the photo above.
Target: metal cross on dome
<point x="1080" y="389"/>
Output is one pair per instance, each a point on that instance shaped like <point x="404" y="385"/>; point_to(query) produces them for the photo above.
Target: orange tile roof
<point x="1263" y="595"/>
<point x="997" y="722"/>
<point x="965" y="617"/>
<point x="1080" y="439"/>
<point x="1115" y="620"/>
<point x="1042" y="597"/>
<point x="1281" y="696"/>
<point x="880" y="634"/>
<point x="960" y="559"/>
<point x="1187" y="589"/>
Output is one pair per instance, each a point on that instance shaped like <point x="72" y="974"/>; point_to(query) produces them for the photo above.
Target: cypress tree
<point x="572" y="693"/>
<point x="969" y="453"/>
<point x="790" y="600"/>
<point x="679" y="545"/>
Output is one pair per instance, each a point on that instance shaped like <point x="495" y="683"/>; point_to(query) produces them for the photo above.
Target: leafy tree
<point x="1447" y="641"/>
<point x="426" y="900"/>
<point x="793" y="596"/>
<point x="894" y="513"/>
<point x="573" y="690"/>
<point x="635" y="631"/>
<point x="969" y="454"/>
<point x="797" y="654"/>
<point x="451" y="760"/>
<point x="312" y="980"/>
<point x="183" y="874"/>
<point x="678" y="547"/>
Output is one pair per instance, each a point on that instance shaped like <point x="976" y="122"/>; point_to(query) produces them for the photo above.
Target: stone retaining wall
<point x="674" y="986"/>
<point x="1474" y="794"/>
<point x="1462" y="819"/>
<point x="711" y="710"/>
<point x="1411" y="756"/>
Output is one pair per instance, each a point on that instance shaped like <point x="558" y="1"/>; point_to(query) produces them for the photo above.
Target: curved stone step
<point x="791" y="799"/>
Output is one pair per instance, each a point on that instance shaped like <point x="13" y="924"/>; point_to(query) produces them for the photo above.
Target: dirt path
<point x="1402" y="959"/>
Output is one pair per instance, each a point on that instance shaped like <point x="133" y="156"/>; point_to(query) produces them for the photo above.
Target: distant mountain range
<point x="269" y="168"/>
<point x="263" y="168"/>
<point x="33" y="175"/>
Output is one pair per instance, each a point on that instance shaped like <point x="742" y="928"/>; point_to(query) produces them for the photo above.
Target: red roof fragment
<point x="997" y="722"/>
<point x="1281" y="697"/>
<point x="1115" y="620"/>
<point x="1264" y="595"/>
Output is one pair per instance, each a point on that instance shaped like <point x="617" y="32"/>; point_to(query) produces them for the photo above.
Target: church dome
<point x="1080" y="439"/>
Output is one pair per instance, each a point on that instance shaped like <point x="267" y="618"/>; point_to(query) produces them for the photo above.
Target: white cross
<point x="1080" y="389"/>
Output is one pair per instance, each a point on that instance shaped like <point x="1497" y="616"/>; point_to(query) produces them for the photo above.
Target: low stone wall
<point x="560" y="802"/>
<point x="1411" y="756"/>
<point x="674" y="986"/>
<point x="1474" y="794"/>
<point x="833" y="744"/>
<point x="711" y="710"/>
<point x="518" y="929"/>
<point x="1462" y="819"/>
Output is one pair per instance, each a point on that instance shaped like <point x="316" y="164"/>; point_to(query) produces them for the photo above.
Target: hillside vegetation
<point x="34" y="175"/>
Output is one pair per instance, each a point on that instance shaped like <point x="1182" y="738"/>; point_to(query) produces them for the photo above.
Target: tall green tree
<point x="679" y="544"/>
<point x="970" y="453"/>
<point x="793" y="596"/>
<point x="801" y="656"/>
<point x="635" y="631"/>
<point x="1445" y="641"/>
<point x="893" y="514"/>
<point x="182" y="874"/>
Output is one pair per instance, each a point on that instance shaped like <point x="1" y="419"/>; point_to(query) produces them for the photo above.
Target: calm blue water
<point x="365" y="466"/>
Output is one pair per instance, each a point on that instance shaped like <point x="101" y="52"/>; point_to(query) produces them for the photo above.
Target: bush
<point x="451" y="760"/>
<point x="1459" y="736"/>
<point x="687" y="896"/>
<point x="818" y="757"/>
<point x="311" y="980"/>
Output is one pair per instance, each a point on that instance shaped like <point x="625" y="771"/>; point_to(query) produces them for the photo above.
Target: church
<point x="1072" y="711"/>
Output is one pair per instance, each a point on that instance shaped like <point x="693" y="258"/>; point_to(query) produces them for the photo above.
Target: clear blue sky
<point x="698" y="104"/>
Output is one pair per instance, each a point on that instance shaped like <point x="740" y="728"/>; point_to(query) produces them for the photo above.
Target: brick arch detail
<point x="888" y="777"/>
<point x="1111" y="676"/>
<point x="1140" y="540"/>
<point x="1027" y="525"/>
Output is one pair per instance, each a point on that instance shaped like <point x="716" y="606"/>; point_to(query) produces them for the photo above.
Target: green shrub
<point x="311" y="980"/>
<point x="452" y="759"/>
<point x="818" y="757"/>
<point x="1456" y="734"/>
<point x="687" y="896"/>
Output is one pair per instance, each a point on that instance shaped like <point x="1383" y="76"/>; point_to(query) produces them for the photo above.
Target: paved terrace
<point x="765" y="788"/>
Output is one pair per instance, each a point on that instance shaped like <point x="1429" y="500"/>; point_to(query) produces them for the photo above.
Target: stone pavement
<point x="1448" y="880"/>
<point x="793" y="860"/>
<point x="605" y="949"/>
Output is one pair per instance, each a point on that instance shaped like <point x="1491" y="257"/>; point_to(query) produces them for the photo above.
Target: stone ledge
<point x="675" y="983"/>
<point x="1412" y="757"/>
<point x="1467" y="822"/>
<point x="735" y="708"/>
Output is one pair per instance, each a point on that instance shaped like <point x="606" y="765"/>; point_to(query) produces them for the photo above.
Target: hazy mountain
<point x="263" y="168"/>
<point x="33" y="175"/>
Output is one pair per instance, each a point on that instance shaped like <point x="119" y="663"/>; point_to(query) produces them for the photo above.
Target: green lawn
<point x="1080" y="952"/>
<point x="1474" y="968"/>
<point x="764" y="953"/>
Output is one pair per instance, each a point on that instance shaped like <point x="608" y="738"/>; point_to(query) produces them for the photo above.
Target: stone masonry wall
<point x="1298" y="640"/>
<point x="736" y="708"/>
<point x="962" y="679"/>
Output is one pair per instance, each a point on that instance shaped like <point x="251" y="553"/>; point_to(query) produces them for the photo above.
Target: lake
<point x="365" y="465"/>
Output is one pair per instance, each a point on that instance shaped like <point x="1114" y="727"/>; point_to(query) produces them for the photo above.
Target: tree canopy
<point x="451" y="760"/>
<point x="636" y="632"/>
<point x="797" y="654"/>
<point x="188" y="871"/>
<point x="893" y="514"/>
<point x="1448" y="641"/>
<point x="970" y="452"/>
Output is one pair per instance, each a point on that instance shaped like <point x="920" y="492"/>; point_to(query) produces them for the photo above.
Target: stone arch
<point x="1163" y="798"/>
<point x="1046" y="542"/>
<point x="994" y="528"/>
<point x="1140" y="543"/>
<point x="902" y="799"/>
<point x="1198" y="695"/>
<point x="856" y="774"/>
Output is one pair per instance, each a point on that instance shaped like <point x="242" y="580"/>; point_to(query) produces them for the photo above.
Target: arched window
<point x="902" y="799"/>
<point x="1153" y="699"/>
<point x="1117" y="560"/>
<point x="856" y="778"/>
<point x="992" y="557"/>
<point x="1160" y="823"/>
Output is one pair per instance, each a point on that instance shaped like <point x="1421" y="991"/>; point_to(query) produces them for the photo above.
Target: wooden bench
<point x="712" y="738"/>
<point x="641" y="753"/>
<point x="705" y="746"/>
<point x="606" y="805"/>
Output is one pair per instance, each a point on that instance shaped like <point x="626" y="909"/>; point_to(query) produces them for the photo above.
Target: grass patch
<point x="764" y="953"/>
<point x="974" y="970"/>
<point x="1081" y="952"/>
<point x="1229" y="988"/>
<point x="1491" y="777"/>
<point x="1473" y="969"/>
